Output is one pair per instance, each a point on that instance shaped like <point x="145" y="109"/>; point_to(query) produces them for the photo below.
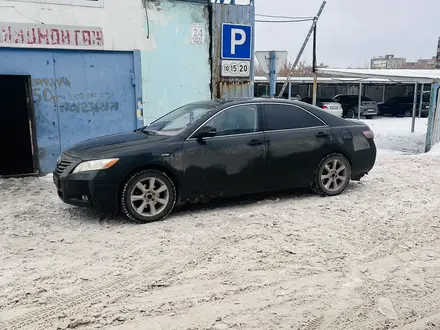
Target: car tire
<point x="328" y="175"/>
<point x="407" y="114"/>
<point x="350" y="114"/>
<point x="369" y="117"/>
<point x="148" y="196"/>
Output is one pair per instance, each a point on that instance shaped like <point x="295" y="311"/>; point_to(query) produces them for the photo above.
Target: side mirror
<point x="206" y="131"/>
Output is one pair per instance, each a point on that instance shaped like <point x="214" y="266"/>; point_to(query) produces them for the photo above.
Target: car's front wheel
<point x="148" y="196"/>
<point x="369" y="117"/>
<point x="332" y="175"/>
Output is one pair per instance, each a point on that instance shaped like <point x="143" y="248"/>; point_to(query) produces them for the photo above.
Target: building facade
<point x="391" y="62"/>
<point x="71" y="70"/>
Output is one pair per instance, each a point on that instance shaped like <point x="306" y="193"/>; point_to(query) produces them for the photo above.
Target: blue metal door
<point x="96" y="95"/>
<point x="77" y="95"/>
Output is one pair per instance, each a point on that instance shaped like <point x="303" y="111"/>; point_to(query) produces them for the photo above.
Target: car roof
<point x="330" y="119"/>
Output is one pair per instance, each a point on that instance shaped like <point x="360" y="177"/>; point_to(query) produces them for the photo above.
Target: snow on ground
<point x="393" y="135"/>
<point x="367" y="259"/>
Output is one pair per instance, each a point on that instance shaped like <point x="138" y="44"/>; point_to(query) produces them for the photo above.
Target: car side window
<point x="282" y="117"/>
<point x="240" y="119"/>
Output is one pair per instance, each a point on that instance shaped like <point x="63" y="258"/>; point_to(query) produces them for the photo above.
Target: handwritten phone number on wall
<point x="86" y="107"/>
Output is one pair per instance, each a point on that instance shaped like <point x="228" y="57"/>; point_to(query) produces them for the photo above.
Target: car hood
<point x="112" y="145"/>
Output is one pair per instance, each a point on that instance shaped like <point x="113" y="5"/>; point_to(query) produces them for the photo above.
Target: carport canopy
<point x="396" y="75"/>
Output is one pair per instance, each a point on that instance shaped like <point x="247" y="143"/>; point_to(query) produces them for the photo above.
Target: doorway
<point x="16" y="126"/>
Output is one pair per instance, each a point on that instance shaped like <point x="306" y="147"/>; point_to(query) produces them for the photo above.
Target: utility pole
<point x="273" y="73"/>
<point x="303" y="47"/>
<point x="315" y="75"/>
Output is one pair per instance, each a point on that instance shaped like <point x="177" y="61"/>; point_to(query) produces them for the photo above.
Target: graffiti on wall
<point x="20" y="34"/>
<point x="46" y="90"/>
<point x="43" y="89"/>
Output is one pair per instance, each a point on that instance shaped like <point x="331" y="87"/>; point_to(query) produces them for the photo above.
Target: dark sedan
<point x="402" y="106"/>
<point x="215" y="149"/>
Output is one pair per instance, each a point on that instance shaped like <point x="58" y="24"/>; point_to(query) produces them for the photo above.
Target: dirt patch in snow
<point x="367" y="259"/>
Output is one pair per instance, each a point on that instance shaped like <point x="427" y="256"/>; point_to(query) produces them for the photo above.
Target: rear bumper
<point x="88" y="189"/>
<point x="369" y="112"/>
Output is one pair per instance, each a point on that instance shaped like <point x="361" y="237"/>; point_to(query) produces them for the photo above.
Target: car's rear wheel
<point x="332" y="175"/>
<point x="350" y="114"/>
<point x="148" y="196"/>
<point x="408" y="113"/>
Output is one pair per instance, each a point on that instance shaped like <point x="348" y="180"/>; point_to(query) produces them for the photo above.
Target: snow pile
<point x="393" y="135"/>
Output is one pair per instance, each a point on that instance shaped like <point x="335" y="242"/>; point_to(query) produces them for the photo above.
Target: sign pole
<point x="273" y="73"/>
<point x="421" y="99"/>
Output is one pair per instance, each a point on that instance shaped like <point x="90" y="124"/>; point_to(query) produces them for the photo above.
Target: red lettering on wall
<point x="43" y="36"/>
<point x="7" y="34"/>
<point x="19" y="36"/>
<point x="77" y="34"/>
<point x="55" y="36"/>
<point x="31" y="36"/>
<point x="86" y="38"/>
<point x="97" y="38"/>
<point x="65" y="37"/>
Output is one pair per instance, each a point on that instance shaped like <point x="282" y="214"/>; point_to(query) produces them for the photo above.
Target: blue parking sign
<point x="236" y="41"/>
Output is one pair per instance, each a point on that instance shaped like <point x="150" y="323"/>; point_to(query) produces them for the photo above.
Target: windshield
<point x="176" y="121"/>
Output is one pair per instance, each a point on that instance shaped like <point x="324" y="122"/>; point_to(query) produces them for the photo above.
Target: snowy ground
<point x="393" y="135"/>
<point x="368" y="259"/>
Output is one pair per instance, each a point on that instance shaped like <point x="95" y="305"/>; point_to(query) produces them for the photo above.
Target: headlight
<point x="94" y="165"/>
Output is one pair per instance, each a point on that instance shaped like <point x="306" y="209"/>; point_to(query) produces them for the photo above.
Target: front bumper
<point x="88" y="189"/>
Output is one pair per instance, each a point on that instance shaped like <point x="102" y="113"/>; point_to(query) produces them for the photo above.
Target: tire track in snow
<point x="37" y="319"/>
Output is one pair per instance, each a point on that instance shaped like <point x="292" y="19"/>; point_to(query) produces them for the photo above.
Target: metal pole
<point x="384" y="92"/>
<point x="360" y="101"/>
<point x="315" y="76"/>
<point x="301" y="51"/>
<point x="290" y="90"/>
<point x="252" y="77"/>
<point x="272" y="73"/>
<point x="421" y="99"/>
<point x="413" y="124"/>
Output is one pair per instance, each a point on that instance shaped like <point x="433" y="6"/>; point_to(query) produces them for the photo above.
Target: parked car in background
<point x="326" y="104"/>
<point x="350" y="106"/>
<point x="402" y="106"/>
<point x="215" y="148"/>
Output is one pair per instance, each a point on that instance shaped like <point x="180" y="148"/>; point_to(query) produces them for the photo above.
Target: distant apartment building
<point x="392" y="62"/>
<point x="387" y="62"/>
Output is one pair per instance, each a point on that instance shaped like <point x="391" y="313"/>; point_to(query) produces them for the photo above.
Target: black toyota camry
<point x="216" y="148"/>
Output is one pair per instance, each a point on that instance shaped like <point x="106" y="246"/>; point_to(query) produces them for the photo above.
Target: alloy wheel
<point x="149" y="197"/>
<point x="334" y="175"/>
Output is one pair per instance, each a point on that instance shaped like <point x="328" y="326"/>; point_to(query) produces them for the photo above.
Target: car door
<point x="233" y="161"/>
<point x="296" y="142"/>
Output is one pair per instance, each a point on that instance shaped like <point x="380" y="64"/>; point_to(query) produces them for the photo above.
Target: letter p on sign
<point x="236" y="41"/>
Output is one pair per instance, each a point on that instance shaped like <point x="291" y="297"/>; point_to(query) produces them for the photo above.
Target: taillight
<point x="369" y="134"/>
<point x="324" y="107"/>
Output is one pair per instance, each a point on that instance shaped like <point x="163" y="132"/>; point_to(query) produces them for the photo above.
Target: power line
<point x="285" y="21"/>
<point x="286" y="17"/>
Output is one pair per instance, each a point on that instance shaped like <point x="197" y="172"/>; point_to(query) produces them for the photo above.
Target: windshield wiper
<point x="148" y="132"/>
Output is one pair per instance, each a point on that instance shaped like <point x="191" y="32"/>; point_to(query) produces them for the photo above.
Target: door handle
<point x="322" y="135"/>
<point x="255" y="142"/>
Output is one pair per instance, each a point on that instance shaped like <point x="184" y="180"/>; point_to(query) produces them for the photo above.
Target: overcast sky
<point x="350" y="32"/>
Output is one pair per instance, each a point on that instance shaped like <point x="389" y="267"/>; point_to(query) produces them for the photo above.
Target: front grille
<point x="65" y="163"/>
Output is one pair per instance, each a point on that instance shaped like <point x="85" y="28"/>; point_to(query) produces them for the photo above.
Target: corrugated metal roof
<point x="427" y="76"/>
<point x="330" y="80"/>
